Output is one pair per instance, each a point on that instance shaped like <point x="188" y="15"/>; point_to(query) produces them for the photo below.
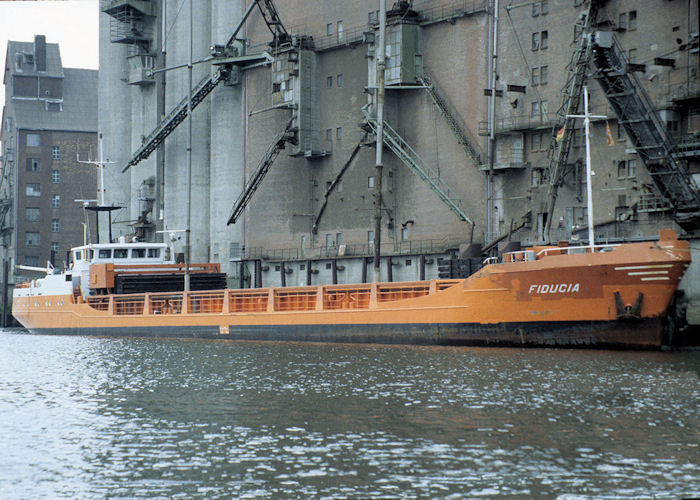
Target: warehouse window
<point x="544" y="73"/>
<point x="329" y="81"/>
<point x="329" y="29"/>
<point x="329" y="134"/>
<point x="33" y="164"/>
<point x="633" y="20"/>
<point x="537" y="177"/>
<point x="56" y="201"/>
<point x="32" y="214"/>
<point x="55" y="152"/>
<point x="55" y="176"/>
<point x="31" y="239"/>
<point x="339" y="80"/>
<point x="54" y="225"/>
<point x="54" y="246"/>
<point x="370" y="181"/>
<point x="339" y="133"/>
<point x="370" y="237"/>
<point x="33" y="140"/>
<point x="31" y="260"/>
<point x="33" y="189"/>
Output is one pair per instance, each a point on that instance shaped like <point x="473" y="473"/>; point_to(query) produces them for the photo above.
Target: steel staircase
<point x="470" y="147"/>
<point x="414" y="162"/>
<point x="253" y="183"/>
<point x="647" y="132"/>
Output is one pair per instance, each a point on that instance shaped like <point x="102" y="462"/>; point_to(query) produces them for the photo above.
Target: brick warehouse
<point x="49" y="117"/>
<point x="481" y="125"/>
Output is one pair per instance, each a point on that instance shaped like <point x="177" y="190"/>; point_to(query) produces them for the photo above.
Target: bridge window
<point x="138" y="253"/>
<point x="121" y="253"/>
<point x="104" y="253"/>
<point x="153" y="253"/>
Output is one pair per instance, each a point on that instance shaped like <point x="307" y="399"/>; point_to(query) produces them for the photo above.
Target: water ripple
<point x="89" y="418"/>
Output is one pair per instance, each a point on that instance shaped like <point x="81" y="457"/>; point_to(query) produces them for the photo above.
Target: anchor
<point x="628" y="311"/>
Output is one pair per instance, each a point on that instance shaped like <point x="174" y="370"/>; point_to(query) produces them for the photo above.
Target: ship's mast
<point x="589" y="175"/>
<point x="100" y="205"/>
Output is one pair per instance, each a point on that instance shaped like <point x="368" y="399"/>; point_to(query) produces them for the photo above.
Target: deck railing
<point x="531" y="254"/>
<point x="311" y="298"/>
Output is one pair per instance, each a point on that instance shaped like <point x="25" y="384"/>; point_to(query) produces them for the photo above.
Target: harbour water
<point x="93" y="417"/>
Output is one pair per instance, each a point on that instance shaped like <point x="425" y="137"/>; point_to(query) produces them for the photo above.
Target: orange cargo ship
<point x="604" y="296"/>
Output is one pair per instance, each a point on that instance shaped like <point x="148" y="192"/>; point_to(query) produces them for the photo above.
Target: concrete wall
<point x="231" y="132"/>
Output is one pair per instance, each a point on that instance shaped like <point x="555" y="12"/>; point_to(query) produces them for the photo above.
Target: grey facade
<point x="315" y="209"/>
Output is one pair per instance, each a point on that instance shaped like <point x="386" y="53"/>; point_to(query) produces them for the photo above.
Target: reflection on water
<point x="90" y="417"/>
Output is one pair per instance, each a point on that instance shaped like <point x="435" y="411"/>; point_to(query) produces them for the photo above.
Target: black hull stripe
<point x="644" y="334"/>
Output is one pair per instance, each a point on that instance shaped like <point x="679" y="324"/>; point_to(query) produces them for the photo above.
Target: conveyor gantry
<point x="174" y="118"/>
<point x="253" y="183"/>
<point x="647" y="132"/>
<point x="204" y="87"/>
<point x="558" y="152"/>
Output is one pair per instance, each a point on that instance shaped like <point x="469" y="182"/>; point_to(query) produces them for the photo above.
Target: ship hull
<point x="614" y="298"/>
<point x="632" y="334"/>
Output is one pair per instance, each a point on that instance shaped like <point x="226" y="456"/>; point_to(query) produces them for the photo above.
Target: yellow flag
<point x="560" y="134"/>
<point x="608" y="135"/>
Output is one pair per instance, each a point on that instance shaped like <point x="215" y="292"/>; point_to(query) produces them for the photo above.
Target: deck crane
<point x="226" y="57"/>
<point x="647" y="132"/>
